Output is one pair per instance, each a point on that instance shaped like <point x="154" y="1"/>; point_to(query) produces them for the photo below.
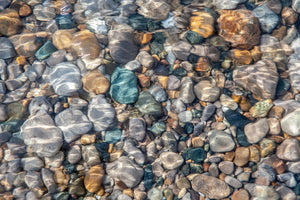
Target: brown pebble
<point x="229" y="156"/>
<point x="202" y="23"/>
<point x="222" y="176"/>
<point x="95" y="81"/>
<point x="256" y="53"/>
<point x="260" y="180"/>
<point x="21" y="60"/>
<point x="276" y="112"/>
<point x="279" y="33"/>
<point x="25" y="10"/>
<point x="10" y="23"/>
<point x="93" y="178"/>
<point x="241" y="57"/>
<point x="241" y="156"/>
<point x="197" y="142"/>
<point x="279" y="166"/>
<point x="288" y="16"/>
<point x="254" y="154"/>
<point x="88" y="139"/>
<point x="245" y="104"/>
<point x="128" y="192"/>
<point x="241" y="194"/>
<point x="205" y="167"/>
<point x="144" y="80"/>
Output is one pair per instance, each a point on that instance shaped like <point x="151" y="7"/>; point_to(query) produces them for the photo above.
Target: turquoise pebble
<point x="46" y="50"/>
<point x="65" y="22"/>
<point x="113" y="136"/>
<point x="193" y="37"/>
<point x="158" y="128"/>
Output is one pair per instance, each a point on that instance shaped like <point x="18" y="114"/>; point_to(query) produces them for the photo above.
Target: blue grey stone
<point x="158" y="93"/>
<point x="6" y="48"/>
<point x="266" y="17"/>
<point x="208" y="112"/>
<point x="113" y="136"/>
<point x="137" y="129"/>
<point x="40" y="103"/>
<point x="220" y="141"/>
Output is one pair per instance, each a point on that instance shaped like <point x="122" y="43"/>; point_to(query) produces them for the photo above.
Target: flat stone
<point x="10" y="22"/>
<point x="73" y="124"/>
<point x="289" y="150"/>
<point x="125" y="170"/>
<point x="233" y="182"/>
<point x="241" y="194"/>
<point x="93" y="179"/>
<point x="265" y="192"/>
<point x="186" y="94"/>
<point x="181" y="50"/>
<point x="241" y="156"/>
<point x="207" y="90"/>
<point x="145" y="59"/>
<point x="171" y="160"/>
<point x="123" y="87"/>
<point x="121" y="45"/>
<point x="74" y="154"/>
<point x="40" y="103"/>
<point x="7" y="49"/>
<point x="101" y="113"/>
<point x="95" y="81"/>
<point x="148" y="105"/>
<point x="90" y="155"/>
<point x="44" y="12"/>
<point x="65" y="79"/>
<point x="154" y="194"/>
<point x="267" y="146"/>
<point x="260" y="78"/>
<point x="219" y="141"/>
<point x="40" y="133"/>
<point x="290" y="122"/>
<point x="226" y="167"/>
<point x="32" y="164"/>
<point x="256" y="131"/>
<point x="266" y="17"/>
<point x="210" y="186"/>
<point x="153" y="9"/>
<point x="48" y="179"/>
<point x="137" y="129"/>
<point x="158" y="93"/>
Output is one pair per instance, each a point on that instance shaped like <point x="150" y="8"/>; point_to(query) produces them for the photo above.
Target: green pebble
<point x="148" y="105"/>
<point x="193" y="37"/>
<point x="186" y="169"/>
<point x="46" y="50"/>
<point x="196" y="168"/>
<point x="158" y="128"/>
<point x="113" y="136"/>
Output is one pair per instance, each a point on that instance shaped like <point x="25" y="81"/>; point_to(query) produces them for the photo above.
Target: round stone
<point x="289" y="150"/>
<point x="207" y="90"/>
<point x="241" y="156"/>
<point x="290" y="123"/>
<point x="95" y="81"/>
<point x="171" y="160"/>
<point x="219" y="141"/>
<point x="256" y="131"/>
<point x="7" y="50"/>
<point x="93" y="178"/>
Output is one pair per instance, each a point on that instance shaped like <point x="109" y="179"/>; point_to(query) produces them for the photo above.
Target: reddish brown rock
<point x="240" y="195"/>
<point x="240" y="28"/>
<point x="93" y="179"/>
<point x="241" y="156"/>
<point x="202" y="23"/>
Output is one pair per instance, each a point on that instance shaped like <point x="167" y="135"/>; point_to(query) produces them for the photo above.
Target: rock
<point x="125" y="170"/>
<point x="288" y="179"/>
<point x="145" y="59"/>
<point x="289" y="150"/>
<point x="293" y="66"/>
<point x="266" y="17"/>
<point x="90" y="155"/>
<point x="62" y="39"/>
<point x="93" y="179"/>
<point x="123" y="87"/>
<point x="65" y="79"/>
<point x="133" y="65"/>
<point x="101" y="113"/>
<point x="95" y="81"/>
<point x="226" y="167"/>
<point x="243" y="34"/>
<point x="137" y="129"/>
<point x="288" y="16"/>
<point x="33" y="180"/>
<point x="241" y="156"/>
<point x="147" y="104"/>
<point x="85" y="45"/>
<point x="220" y="141"/>
<point x="207" y="90"/>
<point x="32" y="164"/>
<point x="260" y="78"/>
<point x="233" y="182"/>
<point x="169" y="141"/>
<point x="154" y="194"/>
<point x="121" y="45"/>
<point x="158" y="93"/>
<point x="194" y="37"/>
<point x="173" y="83"/>
<point x="208" y="112"/>
<point x="48" y="179"/>
<point x="228" y="102"/>
<point x="44" y="12"/>
<point x="3" y="113"/>
<point x="296" y="5"/>
<point x="181" y="50"/>
<point x="286" y="193"/>
<point x="289" y="123"/>
<point x="56" y="160"/>
<point x="113" y="136"/>
<point x="185" y="116"/>
<point x="7" y="50"/>
<point x="265" y="192"/>
<point x="171" y="160"/>
<point x="74" y="154"/>
<point x="45" y="51"/>
<point x="134" y="152"/>
<point x="211" y="187"/>
<point x="153" y="9"/>
<point x="202" y="23"/>
<point x="183" y="182"/>
<point x="267" y="146"/>
<point x="261" y="109"/>
<point x="227" y="4"/>
<point x="241" y="194"/>
<point x="257" y="131"/>
<point x="10" y="22"/>
<point x="76" y="187"/>
<point x="186" y="94"/>
<point x="73" y="124"/>
<point x="41" y="135"/>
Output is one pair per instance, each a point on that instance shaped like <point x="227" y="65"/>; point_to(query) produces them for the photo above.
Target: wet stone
<point x="289" y="123"/>
<point x="93" y="178"/>
<point x="33" y="180"/>
<point x="145" y="59"/>
<point x="185" y="116"/>
<point x="257" y="131"/>
<point x="186" y="90"/>
<point x="207" y="90"/>
<point x="266" y="17"/>
<point x="220" y="141"/>
<point x="267" y="147"/>
<point x="233" y="182"/>
<point x="32" y="163"/>
<point x="137" y="129"/>
<point x="10" y="22"/>
<point x="90" y="155"/>
<point x="45" y="51"/>
<point x="113" y="136"/>
<point x="289" y="150"/>
<point x="153" y="9"/>
<point x="158" y="93"/>
<point x="74" y="154"/>
<point x="202" y="23"/>
<point x="123" y="87"/>
<point x="95" y="81"/>
<point x="48" y="180"/>
<point x="7" y="49"/>
<point x="44" y="12"/>
<point x="148" y="105"/>
<point x="73" y="124"/>
<point x="226" y="167"/>
<point x="181" y="50"/>
<point x="261" y="109"/>
<point x="67" y="84"/>
<point x="101" y="113"/>
<point x="171" y="160"/>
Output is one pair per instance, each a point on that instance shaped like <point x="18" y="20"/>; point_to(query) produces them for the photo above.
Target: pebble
<point x="265" y="192"/>
<point x="261" y="108"/>
<point x="171" y="160"/>
<point x="233" y="182"/>
<point x="101" y="113"/>
<point x="44" y="12"/>
<point x="220" y="141"/>
<point x="212" y="187"/>
<point x="183" y="182"/>
<point x="181" y="50"/>
<point x="153" y="9"/>
<point x="121" y="45"/>
<point x="228" y="102"/>
<point x="148" y="105"/>
<point x="289" y="150"/>
<point x="40" y="133"/>
<point x="32" y="164"/>
<point x="296" y="5"/>
<point x="202" y="23"/>
<point x="158" y="93"/>
<point x="45" y="50"/>
<point x="93" y="179"/>
<point x="123" y="87"/>
<point x="274" y="126"/>
<point x="7" y="49"/>
<point x="73" y="123"/>
<point x="263" y="72"/>
<point x="10" y="22"/>
<point x="74" y="154"/>
<point x="95" y="81"/>
<point x="266" y="17"/>
<point x="155" y="194"/>
<point x="257" y="131"/>
<point x="226" y="167"/>
<point x="267" y="147"/>
<point x="131" y="149"/>
<point x="186" y="94"/>
<point x="286" y="193"/>
<point x="137" y="129"/>
<point x="90" y="155"/>
<point x="133" y="175"/>
<point x="206" y="90"/>
<point x="67" y="84"/>
<point x="241" y="156"/>
<point x="289" y="123"/>
<point x="48" y="180"/>
<point x="241" y="194"/>
<point x="33" y="180"/>
<point x="62" y="39"/>
<point x="185" y="116"/>
<point x="145" y="59"/>
<point x="113" y="136"/>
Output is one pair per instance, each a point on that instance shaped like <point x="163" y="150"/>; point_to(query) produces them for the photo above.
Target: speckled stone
<point x="171" y="160"/>
<point x="153" y="9"/>
<point x="290" y="123"/>
<point x="73" y="124"/>
<point x="123" y="87"/>
<point x="261" y="109"/>
<point x="219" y="141"/>
<point x="186" y="90"/>
<point x="133" y="174"/>
<point x="260" y="78"/>
<point x="207" y="90"/>
<point x="101" y="113"/>
<point x="212" y="187"/>
<point x="147" y="104"/>
<point x="257" y="131"/>
<point x="65" y="79"/>
<point x="40" y="133"/>
<point x="289" y="150"/>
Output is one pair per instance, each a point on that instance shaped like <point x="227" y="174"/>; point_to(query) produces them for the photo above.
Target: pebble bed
<point x="149" y="99"/>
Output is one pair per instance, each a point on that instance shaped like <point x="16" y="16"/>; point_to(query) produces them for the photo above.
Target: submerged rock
<point x="147" y="104"/>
